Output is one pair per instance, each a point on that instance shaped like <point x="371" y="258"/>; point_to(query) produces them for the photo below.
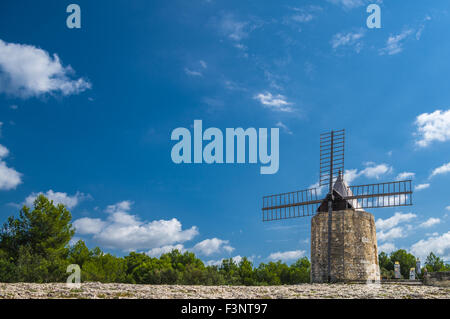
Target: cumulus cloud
<point x="385" y="224"/>
<point x="206" y="247"/>
<point x="319" y="189"/>
<point x="405" y="175"/>
<point x="350" y="175"/>
<point x="122" y="206"/>
<point x="88" y="226"/>
<point x="124" y="231"/>
<point x="386" y="247"/>
<point x="275" y="102"/>
<point x="4" y="152"/>
<point x="371" y="171"/>
<point x="444" y="169"/>
<point x="421" y="187"/>
<point x="393" y="233"/>
<point x="27" y="71"/>
<point x="430" y="222"/>
<point x="376" y="171"/>
<point x="158" y="251"/>
<point x="394" y="43"/>
<point x="286" y="255"/>
<point x="211" y="246"/>
<point x="432" y="127"/>
<point x="236" y="259"/>
<point x="9" y="177"/>
<point x="439" y="245"/>
<point x="58" y="198"/>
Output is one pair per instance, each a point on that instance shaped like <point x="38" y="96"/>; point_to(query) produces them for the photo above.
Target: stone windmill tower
<point x="343" y="234"/>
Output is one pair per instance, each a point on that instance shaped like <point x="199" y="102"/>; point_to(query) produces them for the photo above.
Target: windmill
<point x="339" y="215"/>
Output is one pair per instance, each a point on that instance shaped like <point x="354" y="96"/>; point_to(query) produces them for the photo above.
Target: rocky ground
<point x="102" y="291"/>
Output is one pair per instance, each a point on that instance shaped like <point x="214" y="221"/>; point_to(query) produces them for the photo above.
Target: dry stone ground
<point x="101" y="291"/>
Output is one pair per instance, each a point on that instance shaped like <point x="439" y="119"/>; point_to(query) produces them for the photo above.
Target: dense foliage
<point x="408" y="261"/>
<point x="35" y="248"/>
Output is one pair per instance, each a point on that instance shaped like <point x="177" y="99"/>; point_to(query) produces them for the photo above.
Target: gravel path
<point x="102" y="291"/>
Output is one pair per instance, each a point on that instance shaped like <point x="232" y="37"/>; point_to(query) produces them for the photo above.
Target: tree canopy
<point x="35" y="247"/>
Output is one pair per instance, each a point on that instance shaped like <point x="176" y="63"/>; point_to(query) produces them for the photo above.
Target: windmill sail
<point x="341" y="196"/>
<point x="291" y="205"/>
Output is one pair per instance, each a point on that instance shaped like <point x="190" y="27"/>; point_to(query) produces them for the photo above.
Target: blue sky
<point x="87" y="116"/>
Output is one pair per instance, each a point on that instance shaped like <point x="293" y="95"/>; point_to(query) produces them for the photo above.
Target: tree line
<point x="34" y="247"/>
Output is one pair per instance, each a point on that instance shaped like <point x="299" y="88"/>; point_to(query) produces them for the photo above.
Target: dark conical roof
<point x="340" y="191"/>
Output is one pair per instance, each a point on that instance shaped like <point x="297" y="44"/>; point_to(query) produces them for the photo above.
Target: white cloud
<point x="287" y="255"/>
<point x="405" y="175"/>
<point x="371" y="171"/>
<point x="284" y="127"/>
<point x="385" y="224"/>
<point x="124" y="231"/>
<point x="447" y="208"/>
<point x="433" y="127"/>
<point x="234" y="29"/>
<point x="122" y="206"/>
<point x="9" y="177"/>
<point x="192" y="73"/>
<point x="88" y="226"/>
<point x="242" y="47"/>
<point x="214" y="262"/>
<point x="319" y="189"/>
<point x="4" y="152"/>
<point x="430" y="222"/>
<point x="58" y="198"/>
<point x="14" y="107"/>
<point x="211" y="246"/>
<point x="421" y="187"/>
<point x="394" y="43"/>
<point x="203" y="64"/>
<point x="27" y="71"/>
<point x="236" y="259"/>
<point x="350" y="175"/>
<point x="386" y="247"/>
<point x="230" y="85"/>
<point x="393" y="233"/>
<point x="432" y="234"/>
<point x="275" y="102"/>
<point x="441" y="170"/>
<point x="440" y="245"/>
<point x="347" y="39"/>
<point x="422" y="27"/>
<point x="302" y="17"/>
<point x="376" y="171"/>
<point x="348" y="4"/>
<point x="158" y="251"/>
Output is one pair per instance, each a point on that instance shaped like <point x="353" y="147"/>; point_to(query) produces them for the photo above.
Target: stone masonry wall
<point x="441" y="279"/>
<point x="354" y="255"/>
